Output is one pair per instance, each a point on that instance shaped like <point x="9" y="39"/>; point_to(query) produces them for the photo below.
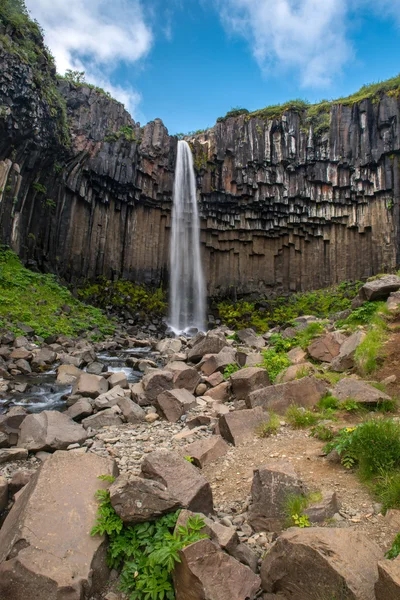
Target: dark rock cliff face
<point x="282" y="209"/>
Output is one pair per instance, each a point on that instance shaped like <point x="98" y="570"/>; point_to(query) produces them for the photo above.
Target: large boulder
<point x="212" y="343"/>
<point x="43" y="359"/>
<point x="248" y="380"/>
<point x="104" y="418"/>
<point x="378" y="289"/>
<point x="206" y="450"/>
<point x="46" y="550"/>
<point x="388" y="585"/>
<point x="305" y="392"/>
<point x="49" y="430"/>
<point x="205" y="572"/>
<point x="169" y="346"/>
<point x="80" y="409"/>
<point x="90" y="385"/>
<point x="11" y="422"/>
<point x="68" y="374"/>
<point x="110" y="398"/>
<point x="326" y="347"/>
<point x="358" y="390"/>
<point x="219" y="392"/>
<point x="183" y="480"/>
<point x="118" y="379"/>
<point x="240" y="426"/>
<point x="345" y="359"/>
<point x="272" y="484"/>
<point x="319" y="562"/>
<point x="175" y="403"/>
<point x="137" y="500"/>
<point x="11" y="454"/>
<point x="295" y="372"/>
<point x="184" y="376"/>
<point x="138" y="394"/>
<point x="132" y="412"/>
<point x="218" y="362"/>
<point x="155" y="382"/>
<point x="250" y="338"/>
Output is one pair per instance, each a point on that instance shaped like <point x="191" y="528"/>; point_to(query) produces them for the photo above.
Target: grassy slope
<point x="37" y="300"/>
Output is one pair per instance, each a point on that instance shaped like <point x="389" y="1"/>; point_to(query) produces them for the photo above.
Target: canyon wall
<point x="282" y="207"/>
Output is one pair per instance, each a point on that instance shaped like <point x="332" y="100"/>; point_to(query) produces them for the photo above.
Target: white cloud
<point x="95" y="36"/>
<point x="308" y="36"/>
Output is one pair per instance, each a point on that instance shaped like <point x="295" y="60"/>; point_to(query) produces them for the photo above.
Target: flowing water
<point x="187" y="289"/>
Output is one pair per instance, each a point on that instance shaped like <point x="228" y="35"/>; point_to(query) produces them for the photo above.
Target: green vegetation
<point x="24" y="38"/>
<point x="298" y="417"/>
<point x="37" y="300"/>
<point x="77" y="78"/>
<point x="125" y="132"/>
<point x="395" y="549"/>
<point x="322" y="432"/>
<point x="230" y="369"/>
<point x="269" y="427"/>
<point x="274" y="362"/>
<point x="234" y="112"/>
<point x="328" y="402"/>
<point x="269" y="313"/>
<point x="294" y="506"/>
<point x="277" y="110"/>
<point x="145" y="553"/>
<point x="123" y="294"/>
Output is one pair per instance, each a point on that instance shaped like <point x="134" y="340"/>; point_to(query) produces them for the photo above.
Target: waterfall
<point x="187" y="290"/>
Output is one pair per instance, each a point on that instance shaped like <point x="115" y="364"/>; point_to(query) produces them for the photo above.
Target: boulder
<point x="212" y="343"/>
<point x="19" y="480"/>
<point x="43" y="359"/>
<point x="304" y="392"/>
<point x="215" y="379"/>
<point x="49" y="430"/>
<point x="393" y="302"/>
<point x="253" y="359"/>
<point x="23" y="366"/>
<point x="379" y="289"/>
<point x="68" y="374"/>
<point x="205" y="572"/>
<point x="4" y="443"/>
<point x="3" y="493"/>
<point x="155" y="382"/>
<point x="345" y="359"/>
<point x="46" y="550"/>
<point x="240" y="426"/>
<point x="295" y="372"/>
<point x="137" y="500"/>
<point x="184" y="376"/>
<point x="90" y="385"/>
<point x="388" y="585"/>
<point x="118" y="379"/>
<point x="110" y="398"/>
<point x="272" y="483"/>
<point x="96" y="368"/>
<point x="104" y="418"/>
<point x="218" y="362"/>
<point x="11" y="454"/>
<point x="138" y="394"/>
<point x="206" y="450"/>
<point x="248" y="380"/>
<point x="20" y="354"/>
<point x="358" y="390"/>
<point x="219" y="392"/>
<point x="250" y="338"/>
<point x="10" y="423"/>
<point x="132" y="413"/>
<point x="201" y="389"/>
<point x="245" y="555"/>
<point x="80" y="409"/>
<point x="20" y="341"/>
<point x="324" y="508"/>
<point x="183" y="480"/>
<point x="332" y="562"/>
<point x="175" y="403"/>
<point x="297" y="355"/>
<point x="169" y="346"/>
<point x="84" y="357"/>
<point x="326" y="347"/>
<point x="226" y="537"/>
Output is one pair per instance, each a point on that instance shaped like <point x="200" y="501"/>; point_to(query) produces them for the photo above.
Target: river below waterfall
<point x="44" y="393"/>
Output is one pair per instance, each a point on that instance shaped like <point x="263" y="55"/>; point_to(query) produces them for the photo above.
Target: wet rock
<point x="358" y="390"/>
<point x="118" y="379"/>
<point x="272" y="484"/>
<point x="104" y="418"/>
<point x="90" y="385"/>
<point x="46" y="550"/>
<point x="11" y="454"/>
<point x="345" y="359"/>
<point x="212" y="343"/>
<point x="388" y="585"/>
<point x="184" y="376"/>
<point x="207" y="573"/>
<point x="326" y="347"/>
<point x="218" y="362"/>
<point x="175" y="403"/>
<point x="240" y="426"/>
<point x="68" y="374"/>
<point x="324" y="509"/>
<point x="49" y="430"/>
<point x="206" y="450"/>
<point x="248" y="380"/>
<point x="181" y="478"/>
<point x="336" y="562"/>
<point x="131" y="412"/>
<point x="3" y="493"/>
<point x="80" y="409"/>
<point x="304" y="392"/>
<point x="250" y="338"/>
<point x="137" y="500"/>
<point x="155" y="382"/>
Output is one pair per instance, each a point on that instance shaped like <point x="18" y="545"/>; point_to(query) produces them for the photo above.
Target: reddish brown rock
<point x="240" y="426"/>
<point x="324" y="508"/>
<point x="302" y="392"/>
<point x="388" y="585"/>
<point x="18" y="481"/>
<point x="137" y="500"/>
<point x="333" y="563"/>
<point x="379" y="289"/>
<point x="295" y="372"/>
<point x="358" y="390"/>
<point x="132" y="413"/>
<point x="184" y="376"/>
<point x="11" y="454"/>
<point x="326" y="347"/>
<point x="90" y="385"/>
<point x="250" y="338"/>
<point x="248" y="380"/>
<point x="207" y="573"/>
<point x="215" y="379"/>
<point x="175" y="403"/>
<point x="50" y="430"/>
<point x="272" y="484"/>
<point x="155" y="382"/>
<point x="104" y="418"/>
<point x="46" y="550"/>
<point x="206" y="450"/>
<point x="182" y="479"/>
<point x="118" y="379"/>
<point x="297" y="356"/>
<point x="225" y="537"/>
<point x="218" y="362"/>
<point x="345" y="359"/>
<point x="219" y="392"/>
<point x="3" y="493"/>
<point x="67" y="374"/>
<point x="80" y="409"/>
<point x="20" y="354"/>
<point x="10" y="423"/>
<point x="212" y="343"/>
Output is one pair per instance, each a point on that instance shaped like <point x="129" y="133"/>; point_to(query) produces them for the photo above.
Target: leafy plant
<point x="274" y="363"/>
<point x="293" y="507"/>
<point x="350" y="405"/>
<point x="146" y="553"/>
<point x="230" y="369"/>
<point x="299" y="417"/>
<point x="328" y="402"/>
<point x="189" y="459"/>
<point x="269" y="427"/>
<point x="322" y="432"/>
<point x="301" y="521"/>
<point x="395" y="549"/>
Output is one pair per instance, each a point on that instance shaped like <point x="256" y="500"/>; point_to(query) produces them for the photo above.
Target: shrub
<point x="322" y="432"/>
<point x="387" y="490"/>
<point x="270" y="427"/>
<point x="299" y="418"/>
<point x="146" y="553"/>
<point x="230" y="369"/>
<point x="274" y="362"/>
<point x="395" y="549"/>
<point x="368" y="352"/>
<point x="376" y="444"/>
<point x="328" y="402"/>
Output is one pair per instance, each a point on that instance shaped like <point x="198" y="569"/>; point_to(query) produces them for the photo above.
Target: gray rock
<point x="50" y="430"/>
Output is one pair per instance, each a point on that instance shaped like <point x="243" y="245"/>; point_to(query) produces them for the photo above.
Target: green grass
<point x="322" y="432"/>
<point x="328" y="402"/>
<point x="270" y="427"/>
<point x="37" y="300"/>
<point x="300" y="418"/>
<point x="230" y="369"/>
<point x="294" y="506"/>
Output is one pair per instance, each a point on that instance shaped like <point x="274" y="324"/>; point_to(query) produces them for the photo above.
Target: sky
<point x="190" y="61"/>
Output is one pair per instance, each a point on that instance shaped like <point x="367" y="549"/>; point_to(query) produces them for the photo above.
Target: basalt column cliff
<point x="284" y="205"/>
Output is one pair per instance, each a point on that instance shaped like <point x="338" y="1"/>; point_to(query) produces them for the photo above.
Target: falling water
<point x="187" y="291"/>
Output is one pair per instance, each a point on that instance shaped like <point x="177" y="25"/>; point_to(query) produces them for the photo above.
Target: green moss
<point x="37" y="300"/>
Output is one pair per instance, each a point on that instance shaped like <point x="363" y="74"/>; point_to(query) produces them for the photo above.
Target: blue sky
<point x="190" y="61"/>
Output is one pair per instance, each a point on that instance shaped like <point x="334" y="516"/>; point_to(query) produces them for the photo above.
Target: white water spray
<point x="187" y="290"/>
